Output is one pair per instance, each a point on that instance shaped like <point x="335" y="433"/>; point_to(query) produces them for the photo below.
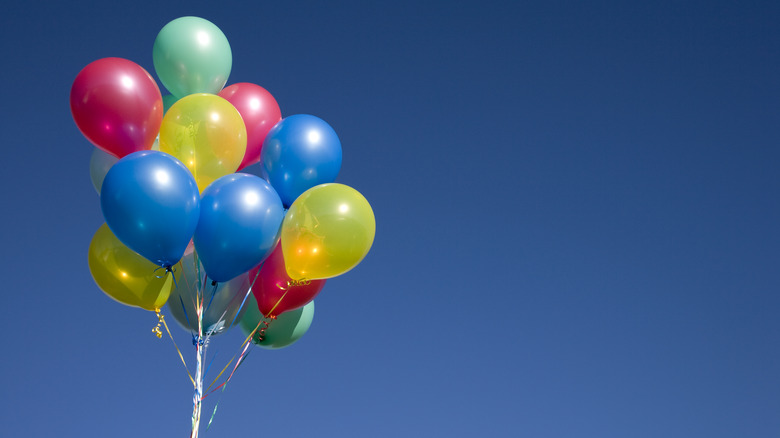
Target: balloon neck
<point x="213" y="282"/>
<point x="166" y="268"/>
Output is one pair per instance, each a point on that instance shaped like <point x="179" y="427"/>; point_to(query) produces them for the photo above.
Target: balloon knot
<point x="213" y="282"/>
<point x="197" y="340"/>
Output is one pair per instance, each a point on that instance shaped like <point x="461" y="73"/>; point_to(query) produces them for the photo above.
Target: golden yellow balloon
<point x="124" y="275"/>
<point x="328" y="230"/>
<point x="207" y="134"/>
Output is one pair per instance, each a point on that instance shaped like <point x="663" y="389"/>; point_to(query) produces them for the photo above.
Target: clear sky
<point x="578" y="223"/>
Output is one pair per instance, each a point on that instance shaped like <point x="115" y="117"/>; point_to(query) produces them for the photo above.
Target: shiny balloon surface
<point x="192" y="55"/>
<point x="124" y="275"/>
<point x="207" y="134"/>
<point x="327" y="231"/>
<point x="117" y="105"/>
<point x="151" y="203"/>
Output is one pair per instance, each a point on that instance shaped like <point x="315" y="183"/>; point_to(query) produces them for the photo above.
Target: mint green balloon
<point x="191" y="55"/>
<point x="281" y="332"/>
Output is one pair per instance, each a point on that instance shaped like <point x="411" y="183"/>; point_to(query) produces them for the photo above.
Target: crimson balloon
<point x="117" y="105"/>
<point x="260" y="112"/>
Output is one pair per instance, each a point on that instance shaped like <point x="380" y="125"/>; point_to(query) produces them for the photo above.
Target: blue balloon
<point x="151" y="203"/>
<point x="240" y="218"/>
<point x="300" y="152"/>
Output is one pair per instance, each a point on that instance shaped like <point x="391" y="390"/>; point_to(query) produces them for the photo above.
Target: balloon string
<point x="238" y="363"/>
<point x="208" y="367"/>
<point x="213" y="292"/>
<point x="248" y="291"/>
<point x="244" y="345"/>
<point x="221" y="319"/>
<point x="200" y="351"/>
<point x="246" y="296"/>
<point x="216" y="405"/>
<point x="161" y="320"/>
<point x="213" y="413"/>
<point x="184" y="309"/>
<point x="279" y="301"/>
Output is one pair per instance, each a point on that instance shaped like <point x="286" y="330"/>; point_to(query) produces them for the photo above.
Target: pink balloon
<point x="117" y="105"/>
<point x="260" y="113"/>
<point x="272" y="289"/>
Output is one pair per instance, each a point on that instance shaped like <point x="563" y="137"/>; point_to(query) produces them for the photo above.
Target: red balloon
<point x="273" y="291"/>
<point x="117" y="105"/>
<point x="260" y="113"/>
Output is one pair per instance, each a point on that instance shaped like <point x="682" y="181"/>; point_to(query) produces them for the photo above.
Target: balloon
<point x="260" y="113"/>
<point x="327" y="231"/>
<point x="99" y="163"/>
<point x="240" y="216"/>
<point x="124" y="275"/>
<point x="273" y="289"/>
<point x="116" y="104"/>
<point x="282" y="331"/>
<point x="151" y="203"/>
<point x="222" y="304"/>
<point x="207" y="134"/>
<point x="191" y="55"/>
<point x="300" y="152"/>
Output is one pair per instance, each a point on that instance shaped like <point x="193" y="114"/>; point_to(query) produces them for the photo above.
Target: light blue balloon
<point x="222" y="303"/>
<point x="99" y="164"/>
<point x="150" y="201"/>
<point x="240" y="218"/>
<point x="300" y="152"/>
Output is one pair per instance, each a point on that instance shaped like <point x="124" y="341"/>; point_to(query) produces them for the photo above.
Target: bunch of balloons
<point x="181" y="226"/>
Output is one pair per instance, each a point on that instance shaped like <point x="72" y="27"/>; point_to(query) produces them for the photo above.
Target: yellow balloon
<point x="207" y="134"/>
<point x="124" y="275"/>
<point x="327" y="231"/>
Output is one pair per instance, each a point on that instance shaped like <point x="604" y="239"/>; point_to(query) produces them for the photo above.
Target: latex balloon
<point x="222" y="303"/>
<point x="99" y="163"/>
<point x="240" y="216"/>
<point x="124" y="275"/>
<point x="300" y="152"/>
<point x="191" y="55"/>
<point x="260" y="112"/>
<point x="207" y="134"/>
<point x="275" y="291"/>
<point x="282" y="331"/>
<point x="151" y="203"/>
<point x="117" y="105"/>
<point x="327" y="231"/>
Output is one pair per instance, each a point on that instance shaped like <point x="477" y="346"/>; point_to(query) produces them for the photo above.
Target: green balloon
<point x="191" y="55"/>
<point x="281" y="332"/>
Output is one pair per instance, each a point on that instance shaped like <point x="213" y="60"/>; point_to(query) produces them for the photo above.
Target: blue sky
<point x="577" y="223"/>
